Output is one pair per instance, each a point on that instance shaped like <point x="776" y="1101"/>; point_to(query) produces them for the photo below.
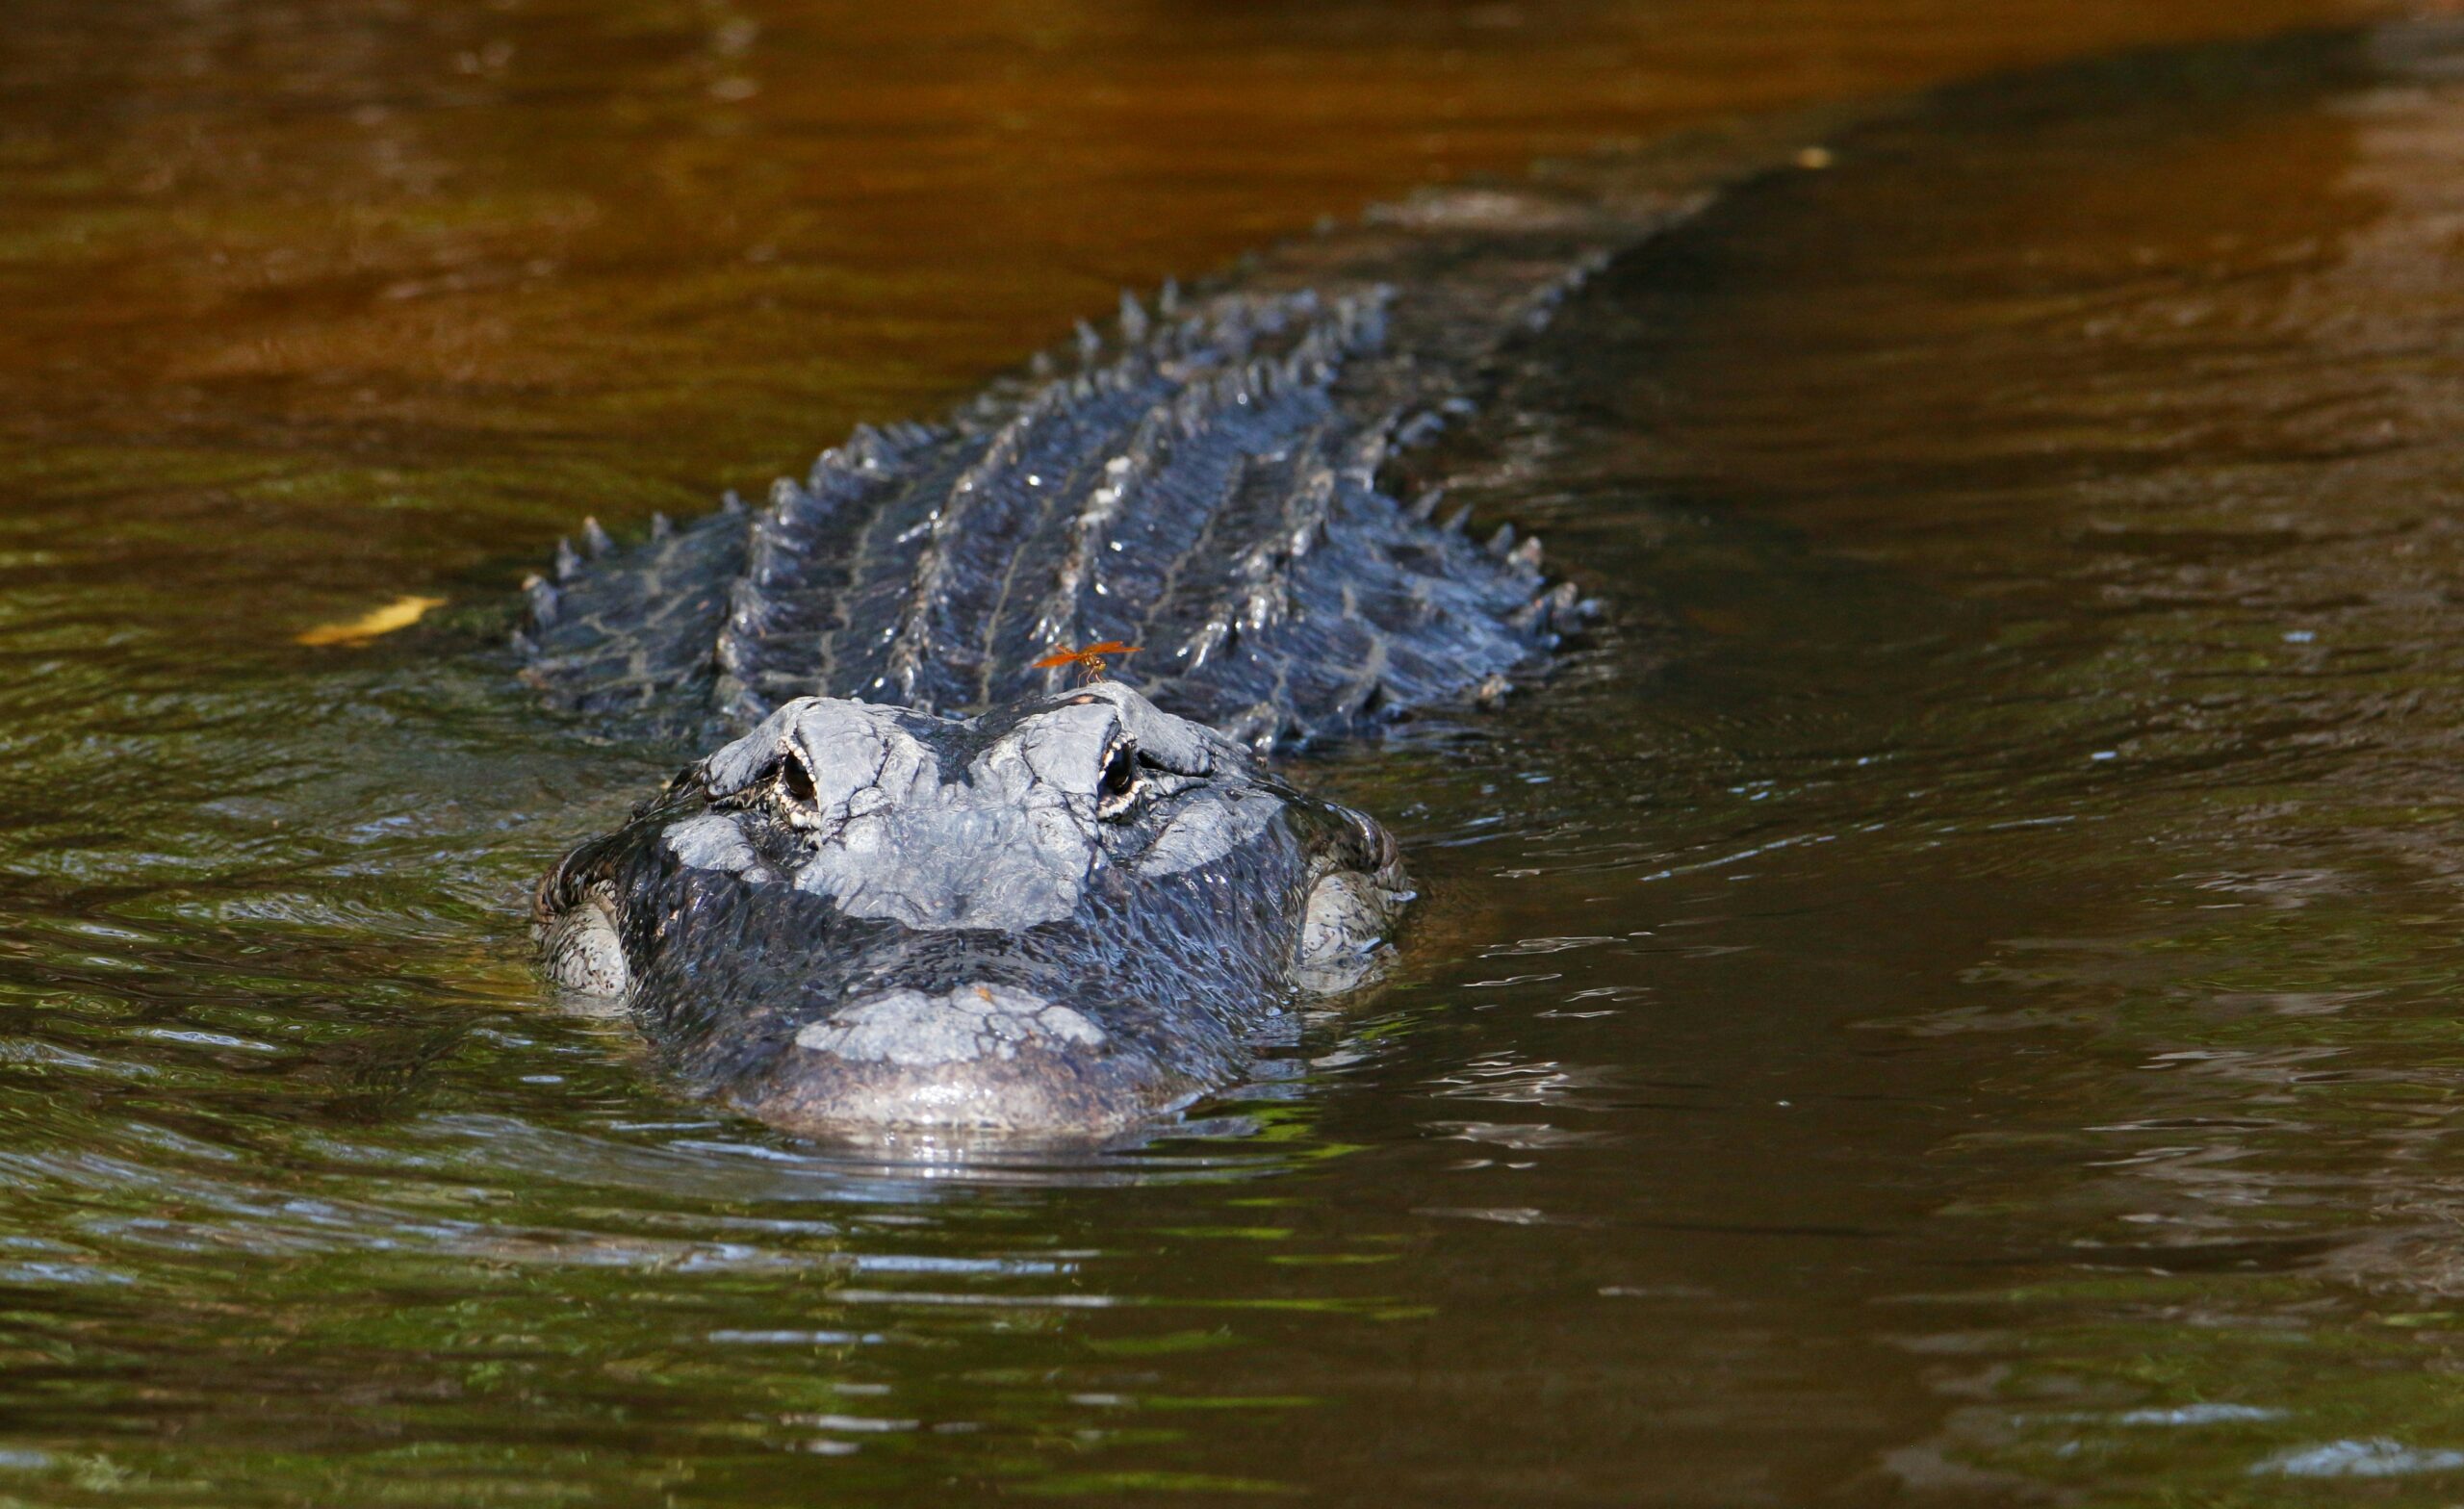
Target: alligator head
<point x="1063" y="917"/>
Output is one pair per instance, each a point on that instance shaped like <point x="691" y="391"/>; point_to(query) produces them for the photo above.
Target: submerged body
<point x="924" y="884"/>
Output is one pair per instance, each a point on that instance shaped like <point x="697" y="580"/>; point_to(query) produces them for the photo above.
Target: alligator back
<point x="1204" y="484"/>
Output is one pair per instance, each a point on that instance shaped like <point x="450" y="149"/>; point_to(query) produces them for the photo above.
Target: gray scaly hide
<point x="921" y="887"/>
<point x="1204" y="484"/>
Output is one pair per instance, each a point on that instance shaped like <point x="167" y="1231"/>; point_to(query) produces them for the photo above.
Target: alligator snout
<point x="976" y="1058"/>
<point x="1061" y="917"/>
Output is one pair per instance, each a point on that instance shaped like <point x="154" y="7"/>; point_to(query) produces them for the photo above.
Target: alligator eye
<point x="795" y="779"/>
<point x="1120" y="780"/>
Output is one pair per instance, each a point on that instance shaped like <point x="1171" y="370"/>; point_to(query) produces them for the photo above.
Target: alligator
<point x="927" y="886"/>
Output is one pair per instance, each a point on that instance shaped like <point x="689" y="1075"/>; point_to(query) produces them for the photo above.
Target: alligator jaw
<point x="975" y="1060"/>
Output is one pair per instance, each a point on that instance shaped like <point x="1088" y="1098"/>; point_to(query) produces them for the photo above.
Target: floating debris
<point x="401" y="613"/>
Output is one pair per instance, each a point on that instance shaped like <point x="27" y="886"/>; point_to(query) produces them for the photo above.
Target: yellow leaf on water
<point x="401" y="613"/>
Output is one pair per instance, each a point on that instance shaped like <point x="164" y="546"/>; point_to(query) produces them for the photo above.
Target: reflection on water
<point x="2119" y="739"/>
<point x="1952" y="991"/>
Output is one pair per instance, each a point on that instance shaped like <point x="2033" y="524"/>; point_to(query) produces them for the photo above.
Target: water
<point x="1951" y="994"/>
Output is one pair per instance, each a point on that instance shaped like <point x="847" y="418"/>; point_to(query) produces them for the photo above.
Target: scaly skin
<point x="1062" y="916"/>
<point x="927" y="885"/>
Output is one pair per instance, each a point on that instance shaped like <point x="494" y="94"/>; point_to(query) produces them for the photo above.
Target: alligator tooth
<point x="1168" y="299"/>
<point x="568" y="564"/>
<point x="1133" y="318"/>
<point x="1425" y="507"/>
<point x="1040" y="366"/>
<point x="729" y="503"/>
<point x="1528" y="555"/>
<point x="1089" y="345"/>
<point x="593" y="539"/>
<point x="661" y="526"/>
<point x="1455" y="521"/>
<point x="1502" y="542"/>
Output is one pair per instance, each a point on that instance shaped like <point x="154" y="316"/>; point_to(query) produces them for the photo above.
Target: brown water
<point x="1952" y="997"/>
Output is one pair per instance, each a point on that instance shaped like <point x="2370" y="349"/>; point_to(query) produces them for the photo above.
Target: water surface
<point x="1951" y="993"/>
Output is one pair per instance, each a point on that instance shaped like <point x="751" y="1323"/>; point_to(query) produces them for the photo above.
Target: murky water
<point x="1954" y="993"/>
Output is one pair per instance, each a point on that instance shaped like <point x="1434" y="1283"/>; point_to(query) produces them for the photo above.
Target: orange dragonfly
<point x="1090" y="660"/>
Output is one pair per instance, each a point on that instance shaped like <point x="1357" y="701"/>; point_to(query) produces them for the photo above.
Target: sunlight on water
<point x="1950" y="991"/>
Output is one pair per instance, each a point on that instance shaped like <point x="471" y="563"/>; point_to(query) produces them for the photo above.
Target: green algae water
<point x="1951" y="996"/>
